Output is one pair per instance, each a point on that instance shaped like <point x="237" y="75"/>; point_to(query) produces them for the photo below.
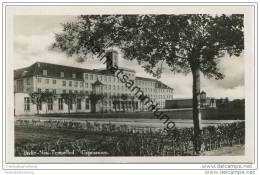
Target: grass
<point x="206" y="114"/>
<point x="25" y="135"/>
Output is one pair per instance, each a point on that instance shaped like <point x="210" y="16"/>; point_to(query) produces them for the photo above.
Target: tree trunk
<point x="37" y="109"/>
<point x="196" y="110"/>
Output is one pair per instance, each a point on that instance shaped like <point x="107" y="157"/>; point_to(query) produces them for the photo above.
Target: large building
<point x="182" y="103"/>
<point x="96" y="90"/>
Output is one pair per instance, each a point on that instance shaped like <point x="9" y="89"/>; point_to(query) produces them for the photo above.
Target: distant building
<point x="205" y="102"/>
<point x="58" y="79"/>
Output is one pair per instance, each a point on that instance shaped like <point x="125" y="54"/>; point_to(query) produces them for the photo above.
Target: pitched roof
<point x="97" y="83"/>
<point x="53" y="70"/>
<point x="158" y="85"/>
<point x="145" y="79"/>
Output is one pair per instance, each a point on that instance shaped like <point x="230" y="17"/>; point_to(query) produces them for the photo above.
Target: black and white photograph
<point x="130" y="84"/>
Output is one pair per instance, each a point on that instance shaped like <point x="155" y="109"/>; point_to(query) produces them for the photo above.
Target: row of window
<point x="106" y="87"/>
<point x="54" y="91"/>
<point x="45" y="73"/>
<point x="64" y="82"/>
<point x="60" y="104"/>
<point x="160" y="96"/>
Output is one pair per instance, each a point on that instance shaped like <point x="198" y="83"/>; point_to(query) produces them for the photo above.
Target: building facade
<point x="69" y="89"/>
<point x="205" y="102"/>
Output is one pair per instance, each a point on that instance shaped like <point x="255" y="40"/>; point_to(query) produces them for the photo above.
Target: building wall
<point x="177" y="104"/>
<point x="20" y="108"/>
<point x="187" y="103"/>
<point x="111" y="87"/>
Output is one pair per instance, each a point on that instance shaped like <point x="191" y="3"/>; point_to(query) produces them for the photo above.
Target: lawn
<point x="25" y="135"/>
<point x="206" y="114"/>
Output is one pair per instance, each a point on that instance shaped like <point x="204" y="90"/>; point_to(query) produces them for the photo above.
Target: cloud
<point x="32" y="44"/>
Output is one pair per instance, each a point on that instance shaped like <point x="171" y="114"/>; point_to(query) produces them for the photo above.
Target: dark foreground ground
<point x="61" y="139"/>
<point x="36" y="135"/>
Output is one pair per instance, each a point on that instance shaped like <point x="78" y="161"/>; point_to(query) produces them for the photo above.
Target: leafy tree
<point x="36" y="99"/>
<point x="186" y="43"/>
<point x="41" y="97"/>
<point x="78" y="96"/>
<point x="94" y="98"/>
<point x="71" y="98"/>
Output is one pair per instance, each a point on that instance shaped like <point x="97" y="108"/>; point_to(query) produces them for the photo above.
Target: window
<point x="64" y="83"/>
<point x="54" y="91"/>
<point x="44" y="72"/>
<point x="76" y="91"/>
<point x="50" y="104"/>
<point x="109" y="87"/>
<point x="60" y="104"/>
<point x="19" y="85"/>
<point x="64" y="91"/>
<point x="70" y="91"/>
<point x="105" y="78"/>
<point x="81" y="84"/>
<point x="26" y="104"/>
<point x="109" y="79"/>
<point x="54" y="81"/>
<point x="91" y="77"/>
<point x="70" y="83"/>
<point x="39" y="80"/>
<point x="79" y="103"/>
<point x="114" y="87"/>
<point x="101" y="78"/>
<point x="86" y="85"/>
<point x="76" y="84"/>
<point x="86" y="76"/>
<point x="47" y="90"/>
<point x="47" y="81"/>
<point x="87" y="103"/>
<point x="39" y="90"/>
<point x="73" y="75"/>
<point x="62" y="74"/>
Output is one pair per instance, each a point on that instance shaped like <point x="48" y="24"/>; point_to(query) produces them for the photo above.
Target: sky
<point x="33" y="36"/>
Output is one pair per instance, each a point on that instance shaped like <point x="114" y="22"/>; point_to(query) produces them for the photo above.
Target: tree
<point x="41" y="97"/>
<point x="185" y="43"/>
<point x="36" y="99"/>
<point x="69" y="100"/>
<point x="94" y="98"/>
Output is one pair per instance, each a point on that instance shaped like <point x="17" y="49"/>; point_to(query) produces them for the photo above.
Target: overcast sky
<point x="33" y="36"/>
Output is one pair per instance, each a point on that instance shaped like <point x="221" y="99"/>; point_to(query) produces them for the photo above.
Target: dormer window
<point x="44" y="72"/>
<point x="62" y="74"/>
<point x="73" y="75"/>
